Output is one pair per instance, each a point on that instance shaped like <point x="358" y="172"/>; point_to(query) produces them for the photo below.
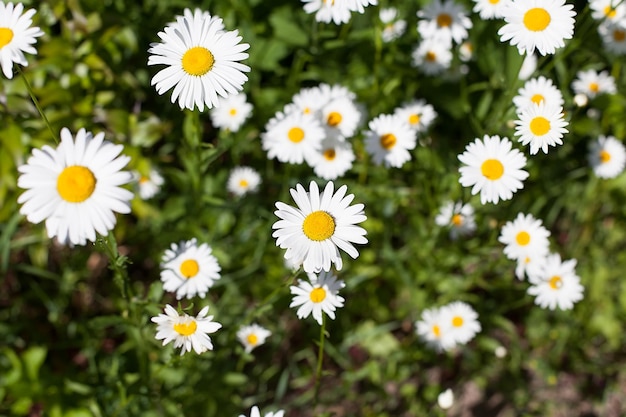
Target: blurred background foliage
<point x="73" y="346"/>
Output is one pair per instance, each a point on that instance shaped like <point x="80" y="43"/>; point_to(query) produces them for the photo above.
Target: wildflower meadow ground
<point x="312" y="208"/>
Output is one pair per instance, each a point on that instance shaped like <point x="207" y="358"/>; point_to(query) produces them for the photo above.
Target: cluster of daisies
<point x="446" y="327"/>
<point x="318" y="127"/>
<point x="336" y="11"/>
<point x="611" y="15"/>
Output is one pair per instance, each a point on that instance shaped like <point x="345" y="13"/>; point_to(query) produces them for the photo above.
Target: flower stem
<point x="320" y="357"/>
<point x="36" y="103"/>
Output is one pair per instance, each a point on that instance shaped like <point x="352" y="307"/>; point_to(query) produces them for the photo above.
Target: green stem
<point x="320" y="357"/>
<point x="117" y="263"/>
<point x="36" y="103"/>
<point x="267" y="300"/>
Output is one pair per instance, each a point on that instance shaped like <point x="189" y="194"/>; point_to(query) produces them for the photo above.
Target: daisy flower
<point x="16" y="36"/>
<point x="335" y="91"/>
<point x="459" y="217"/>
<point x="243" y="180"/>
<point x="292" y="137"/>
<point x="418" y="114"/>
<point x="490" y="9"/>
<point x="524" y="237"/>
<point x="446" y="21"/>
<point x="340" y="118"/>
<point x="435" y="329"/>
<point x="466" y="51"/>
<point x="608" y="10"/>
<point x="393" y="27"/>
<point x="189" y="269"/>
<point x="541" y="126"/>
<point x="591" y="83"/>
<point x="326" y="11"/>
<point x="529" y="266"/>
<point x="309" y="100"/>
<point x="75" y="188"/>
<point x="202" y="61"/>
<point x="557" y="284"/>
<point x="319" y="295"/>
<point x="148" y="185"/>
<point x="607" y="157"/>
<point x="492" y="168"/>
<point x="445" y="399"/>
<point x="432" y="56"/>
<point x="463" y="320"/>
<point x="529" y="66"/>
<point x="334" y="159"/>
<point x="360" y="5"/>
<point x="613" y="37"/>
<point x="389" y="140"/>
<point x="186" y="331"/>
<point x="320" y="225"/>
<point x="254" y="412"/>
<point x="536" y="91"/>
<point x="231" y="112"/>
<point x="537" y="24"/>
<point x="252" y="336"/>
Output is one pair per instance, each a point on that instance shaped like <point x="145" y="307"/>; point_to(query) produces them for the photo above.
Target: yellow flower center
<point x="189" y="268"/>
<point x="610" y="12"/>
<point x="457" y="220"/>
<point x="430" y="56"/>
<point x="492" y="169"/>
<point x="295" y="134"/>
<point x="334" y="119"/>
<point x="522" y="238"/>
<point x="388" y="141"/>
<point x="494" y="1"/>
<point x="414" y="119"/>
<point x="252" y="339"/>
<point x="232" y="111"/>
<point x="306" y="110"/>
<point x="6" y="36"/>
<point x="318" y="226"/>
<point x="619" y="35"/>
<point x="457" y="321"/>
<point x="605" y="156"/>
<point x="539" y="126"/>
<point x="76" y="183"/>
<point x="436" y="330"/>
<point x="198" y="61"/>
<point x="329" y="154"/>
<point x="537" y="19"/>
<point x="186" y="329"/>
<point x="537" y="98"/>
<point x="444" y="20"/>
<point x="317" y="295"/>
<point x="555" y="282"/>
<point x="594" y="87"/>
<point x="143" y="179"/>
<point x="243" y="183"/>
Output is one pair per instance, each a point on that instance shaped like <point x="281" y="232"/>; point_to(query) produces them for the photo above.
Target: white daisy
<point x="466" y="51"/>
<point x="337" y="11"/>
<point x="186" y="331"/>
<point x="292" y="138"/>
<point x="464" y="324"/>
<point x="202" y="61"/>
<point x="434" y="329"/>
<point x="541" y="126"/>
<point x="389" y="140"/>
<point x="529" y="66"/>
<point x="243" y="180"/>
<point x="340" y="118"/>
<point x="189" y="269"/>
<point x="319" y="295"/>
<point x="608" y="10"/>
<point x="254" y="412"/>
<point x="335" y="91"/>
<point x="16" y="36"/>
<point x="490" y="9"/>
<point x="613" y="36"/>
<point x="607" y="157"/>
<point x="432" y="56"/>
<point x="592" y="83"/>
<point x="445" y="399"/>
<point x="536" y="91"/>
<point x="252" y="336"/>
<point x="322" y="224"/>
<point x="537" y="24"/>
<point x="75" y="188"/>
<point x="334" y="159"/>
<point x="529" y="266"/>
<point x="557" y="285"/>
<point x="231" y="112"/>
<point x="148" y="185"/>
<point x="393" y="27"/>
<point x="459" y="217"/>
<point x="524" y="237"/>
<point x="309" y="100"/>
<point x="360" y="5"/>
<point x="418" y="114"/>
<point x="444" y="20"/>
<point x="492" y="168"/>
